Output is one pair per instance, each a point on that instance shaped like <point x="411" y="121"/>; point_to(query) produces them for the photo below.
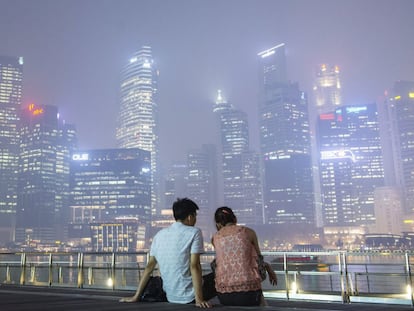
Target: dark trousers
<point x="252" y="298"/>
<point x="209" y="286"/>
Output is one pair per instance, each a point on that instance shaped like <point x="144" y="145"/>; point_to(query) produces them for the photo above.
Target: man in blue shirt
<point x="177" y="251"/>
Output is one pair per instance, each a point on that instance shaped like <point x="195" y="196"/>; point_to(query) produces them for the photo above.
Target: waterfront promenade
<point x="37" y="298"/>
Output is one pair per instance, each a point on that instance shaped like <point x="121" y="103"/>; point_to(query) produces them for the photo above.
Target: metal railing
<point x="337" y="276"/>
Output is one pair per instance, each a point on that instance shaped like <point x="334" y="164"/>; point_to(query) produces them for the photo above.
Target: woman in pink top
<point x="237" y="278"/>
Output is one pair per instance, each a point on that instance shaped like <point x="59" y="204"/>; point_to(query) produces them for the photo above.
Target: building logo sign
<point x="80" y="157"/>
<point x="337" y="155"/>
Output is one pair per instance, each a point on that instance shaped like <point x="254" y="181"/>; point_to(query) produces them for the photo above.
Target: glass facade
<point x="401" y="106"/>
<point x="351" y="164"/>
<point x="327" y="97"/>
<point x="138" y="115"/>
<point x="11" y="81"/>
<point x="284" y="143"/>
<point x="202" y="185"/>
<point x="110" y="183"/>
<point x="46" y="142"/>
<point x="327" y="88"/>
<point x="240" y="166"/>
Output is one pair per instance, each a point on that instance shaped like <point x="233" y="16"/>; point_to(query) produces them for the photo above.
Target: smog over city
<point x="234" y="90"/>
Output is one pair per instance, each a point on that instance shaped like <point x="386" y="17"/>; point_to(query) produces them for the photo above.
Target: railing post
<point x="356" y="290"/>
<point x="8" y="274"/>
<point x="367" y="277"/>
<point x="91" y="280"/>
<point x="60" y="275"/>
<point x="23" y="269"/>
<point x="113" y="271"/>
<point x="80" y="270"/>
<point x="344" y="294"/>
<point x="347" y="286"/>
<point x="409" y="277"/>
<point x="50" y="270"/>
<point x="285" y="268"/>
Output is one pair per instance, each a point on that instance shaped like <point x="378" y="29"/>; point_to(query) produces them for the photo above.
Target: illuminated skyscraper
<point x="110" y="184"/>
<point x="401" y="116"/>
<point x="327" y="97"/>
<point x="327" y="88"/>
<point x="202" y="184"/>
<point x="46" y="143"/>
<point x="351" y="164"/>
<point x="11" y="76"/>
<point x="240" y="166"/>
<point x="138" y="115"/>
<point x="284" y="143"/>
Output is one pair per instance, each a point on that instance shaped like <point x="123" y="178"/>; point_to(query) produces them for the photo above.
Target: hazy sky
<point x="74" y="51"/>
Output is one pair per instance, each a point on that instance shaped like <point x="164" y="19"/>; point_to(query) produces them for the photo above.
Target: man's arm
<point x="196" y="275"/>
<point x="152" y="262"/>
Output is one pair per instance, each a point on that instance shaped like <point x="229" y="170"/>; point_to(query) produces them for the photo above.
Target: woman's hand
<point x="271" y="273"/>
<point x="273" y="278"/>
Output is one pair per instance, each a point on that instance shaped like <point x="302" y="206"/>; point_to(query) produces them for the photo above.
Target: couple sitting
<point x="177" y="251"/>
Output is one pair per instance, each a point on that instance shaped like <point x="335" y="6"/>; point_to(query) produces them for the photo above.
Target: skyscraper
<point x="175" y="184"/>
<point x="46" y="143"/>
<point x="202" y="184"/>
<point x="110" y="187"/>
<point x="327" y="88"/>
<point x="284" y="143"/>
<point x="351" y="164"/>
<point x="11" y="82"/>
<point x="240" y="167"/>
<point x="138" y="114"/>
<point x="327" y="96"/>
<point x="401" y="109"/>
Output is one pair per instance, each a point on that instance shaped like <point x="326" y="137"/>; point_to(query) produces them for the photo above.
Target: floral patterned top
<point x="236" y="261"/>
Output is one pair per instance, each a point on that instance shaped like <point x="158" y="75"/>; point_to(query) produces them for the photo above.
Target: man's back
<point x="172" y="248"/>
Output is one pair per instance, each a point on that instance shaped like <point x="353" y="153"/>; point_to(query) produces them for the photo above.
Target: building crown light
<point x="270" y="51"/>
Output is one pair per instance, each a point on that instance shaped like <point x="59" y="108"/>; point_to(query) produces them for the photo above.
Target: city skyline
<point x="74" y="53"/>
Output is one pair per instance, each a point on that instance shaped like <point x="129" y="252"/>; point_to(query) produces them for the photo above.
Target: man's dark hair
<point x="182" y="208"/>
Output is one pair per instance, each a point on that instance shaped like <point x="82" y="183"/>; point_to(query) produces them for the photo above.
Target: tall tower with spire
<point x="239" y="165"/>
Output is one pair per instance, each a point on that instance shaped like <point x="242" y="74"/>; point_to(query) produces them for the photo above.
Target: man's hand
<point x="203" y="304"/>
<point x="129" y="299"/>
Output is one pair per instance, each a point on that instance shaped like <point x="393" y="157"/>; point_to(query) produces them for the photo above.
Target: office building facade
<point x="11" y="84"/>
<point x="327" y="88"/>
<point x="351" y="164"/>
<point x="202" y="184"/>
<point x="284" y="143"/>
<point x="138" y="115"/>
<point x="327" y="95"/>
<point x="400" y="106"/>
<point x="110" y="183"/>
<point x="46" y="143"/>
<point x="240" y="167"/>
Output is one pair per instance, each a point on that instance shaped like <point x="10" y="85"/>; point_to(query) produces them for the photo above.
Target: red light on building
<point x="327" y="116"/>
<point x="35" y="110"/>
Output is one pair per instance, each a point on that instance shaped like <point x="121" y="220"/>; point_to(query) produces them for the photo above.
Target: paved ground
<point x="13" y="298"/>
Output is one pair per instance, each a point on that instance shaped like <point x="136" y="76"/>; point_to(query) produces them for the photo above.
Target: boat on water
<point x="300" y="262"/>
